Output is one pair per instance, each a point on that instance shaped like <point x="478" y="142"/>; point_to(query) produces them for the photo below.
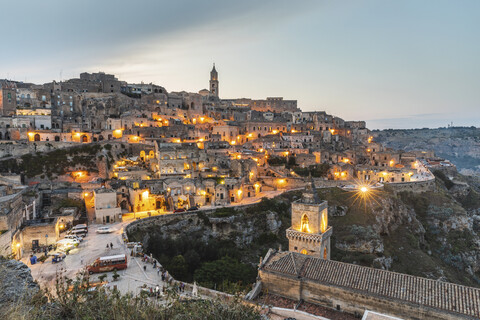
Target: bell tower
<point x="310" y="232"/>
<point x="214" y="81"/>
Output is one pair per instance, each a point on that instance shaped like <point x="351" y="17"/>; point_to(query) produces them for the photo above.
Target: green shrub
<point x="71" y="299"/>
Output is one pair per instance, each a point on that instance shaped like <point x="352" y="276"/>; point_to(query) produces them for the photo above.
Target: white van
<point x="77" y="232"/>
<point x="81" y="227"/>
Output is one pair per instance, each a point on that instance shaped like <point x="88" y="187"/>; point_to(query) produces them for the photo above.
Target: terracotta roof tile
<point x="415" y="290"/>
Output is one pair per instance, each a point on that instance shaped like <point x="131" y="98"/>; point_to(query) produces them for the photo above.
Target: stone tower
<point x="214" y="81"/>
<point x="310" y="232"/>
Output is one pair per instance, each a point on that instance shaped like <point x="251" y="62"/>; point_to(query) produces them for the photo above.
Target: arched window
<point x="304" y="224"/>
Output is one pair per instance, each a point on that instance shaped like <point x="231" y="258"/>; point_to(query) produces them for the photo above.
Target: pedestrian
<point x="111" y="245"/>
<point x="158" y="271"/>
<point x="144" y="268"/>
<point x="154" y="264"/>
<point x="108" y="246"/>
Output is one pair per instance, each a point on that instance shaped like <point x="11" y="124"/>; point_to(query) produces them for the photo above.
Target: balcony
<point x="304" y="236"/>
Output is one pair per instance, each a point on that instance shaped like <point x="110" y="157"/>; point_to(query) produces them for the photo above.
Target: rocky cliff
<point x="16" y="283"/>
<point x="432" y="234"/>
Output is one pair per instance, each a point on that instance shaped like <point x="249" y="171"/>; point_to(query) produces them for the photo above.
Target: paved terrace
<point x="453" y="298"/>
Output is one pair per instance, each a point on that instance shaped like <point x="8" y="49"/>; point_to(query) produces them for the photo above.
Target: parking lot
<point x="92" y="247"/>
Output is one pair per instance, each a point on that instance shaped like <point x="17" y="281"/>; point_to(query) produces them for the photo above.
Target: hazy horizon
<point x="393" y="64"/>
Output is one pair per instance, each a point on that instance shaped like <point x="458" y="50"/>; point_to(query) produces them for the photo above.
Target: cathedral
<point x="310" y="232"/>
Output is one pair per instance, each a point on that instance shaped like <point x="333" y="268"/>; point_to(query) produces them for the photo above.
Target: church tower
<point x="214" y="81"/>
<point x="310" y="232"/>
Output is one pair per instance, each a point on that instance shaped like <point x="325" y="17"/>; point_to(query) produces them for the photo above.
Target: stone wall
<point x="18" y="148"/>
<point x="6" y="243"/>
<point x="344" y="299"/>
<point x="320" y="183"/>
<point x="416" y="186"/>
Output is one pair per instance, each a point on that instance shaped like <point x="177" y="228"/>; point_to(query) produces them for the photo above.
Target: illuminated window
<point x="304" y="224"/>
<point x="304" y="252"/>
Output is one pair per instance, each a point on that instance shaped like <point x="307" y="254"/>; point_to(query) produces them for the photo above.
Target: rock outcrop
<point x="16" y="282"/>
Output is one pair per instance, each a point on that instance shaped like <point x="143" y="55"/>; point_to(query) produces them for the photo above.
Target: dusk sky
<point x="394" y="64"/>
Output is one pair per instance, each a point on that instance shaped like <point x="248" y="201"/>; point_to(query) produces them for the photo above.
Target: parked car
<point x="58" y="256"/>
<point x="194" y="208"/>
<point x="74" y="237"/>
<point x="178" y="210"/>
<point x="73" y="242"/>
<point x="104" y="230"/>
<point x="77" y="232"/>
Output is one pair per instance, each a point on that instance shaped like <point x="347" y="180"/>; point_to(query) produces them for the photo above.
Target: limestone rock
<point x="362" y="246"/>
<point x="337" y="211"/>
<point x="383" y="263"/>
<point x="16" y="282"/>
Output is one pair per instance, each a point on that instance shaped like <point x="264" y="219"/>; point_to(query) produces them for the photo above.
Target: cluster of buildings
<point x="190" y="149"/>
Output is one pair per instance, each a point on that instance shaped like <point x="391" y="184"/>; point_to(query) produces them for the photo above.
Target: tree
<point x="225" y="269"/>
<point x="178" y="267"/>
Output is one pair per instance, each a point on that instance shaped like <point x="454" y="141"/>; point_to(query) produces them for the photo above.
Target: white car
<point x="104" y="230"/>
<point x="68" y="241"/>
<point x="74" y="237"/>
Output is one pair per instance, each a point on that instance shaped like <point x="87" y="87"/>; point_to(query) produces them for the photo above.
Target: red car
<point x="178" y="210"/>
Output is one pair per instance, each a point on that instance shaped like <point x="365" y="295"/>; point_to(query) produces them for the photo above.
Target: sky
<point x="394" y="64"/>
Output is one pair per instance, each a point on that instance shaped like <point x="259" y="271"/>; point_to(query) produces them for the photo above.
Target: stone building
<point x="105" y="203"/>
<point x="355" y="289"/>
<point x="8" y="99"/>
<point x="310" y="232"/>
<point x="179" y="159"/>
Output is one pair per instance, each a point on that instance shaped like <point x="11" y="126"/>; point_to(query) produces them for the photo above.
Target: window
<point x="304" y="224"/>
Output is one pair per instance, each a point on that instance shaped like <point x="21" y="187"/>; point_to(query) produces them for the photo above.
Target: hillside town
<point x="99" y="151"/>
<point x="186" y="151"/>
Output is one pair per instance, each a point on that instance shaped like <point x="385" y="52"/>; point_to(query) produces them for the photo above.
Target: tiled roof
<point x="385" y="284"/>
